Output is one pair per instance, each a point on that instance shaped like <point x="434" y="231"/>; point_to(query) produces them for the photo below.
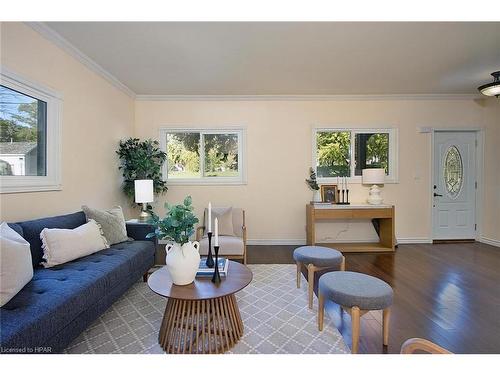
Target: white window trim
<point x="239" y="180"/>
<point x="391" y="178"/>
<point x="52" y="181"/>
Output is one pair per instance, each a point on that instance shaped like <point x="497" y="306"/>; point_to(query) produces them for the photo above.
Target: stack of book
<point x="204" y="271"/>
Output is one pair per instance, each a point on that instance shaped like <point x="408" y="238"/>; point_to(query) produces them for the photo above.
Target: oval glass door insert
<point x="453" y="171"/>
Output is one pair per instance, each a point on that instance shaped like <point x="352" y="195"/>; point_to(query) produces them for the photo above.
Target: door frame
<point x="479" y="176"/>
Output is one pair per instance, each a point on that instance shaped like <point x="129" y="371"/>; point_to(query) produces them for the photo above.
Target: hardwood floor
<point x="446" y="293"/>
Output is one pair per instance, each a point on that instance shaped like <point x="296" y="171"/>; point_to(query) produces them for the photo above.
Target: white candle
<point x="209" y="216"/>
<point x="338" y="186"/>
<point x="216" y="232"/>
<point x="346" y="186"/>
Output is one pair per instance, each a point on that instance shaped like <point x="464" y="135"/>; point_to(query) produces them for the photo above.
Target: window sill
<point x="353" y="180"/>
<point x="204" y="183"/>
<point x="29" y="189"/>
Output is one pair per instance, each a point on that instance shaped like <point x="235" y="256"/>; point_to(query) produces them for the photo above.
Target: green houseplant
<point x="183" y="257"/>
<point x="141" y="160"/>
<point x="313" y="185"/>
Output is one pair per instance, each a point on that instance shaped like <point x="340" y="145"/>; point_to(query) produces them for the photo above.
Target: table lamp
<point x="144" y="194"/>
<point x="374" y="177"/>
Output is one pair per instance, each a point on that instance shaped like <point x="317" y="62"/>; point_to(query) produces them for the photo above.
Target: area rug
<point x="275" y="316"/>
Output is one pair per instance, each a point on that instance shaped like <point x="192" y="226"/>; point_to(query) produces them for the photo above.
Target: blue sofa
<point x="60" y="302"/>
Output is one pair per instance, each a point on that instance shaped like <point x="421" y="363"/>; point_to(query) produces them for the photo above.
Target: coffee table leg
<point x="185" y="321"/>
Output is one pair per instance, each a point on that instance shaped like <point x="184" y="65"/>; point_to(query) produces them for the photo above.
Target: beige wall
<point x="95" y="116"/>
<point x="279" y="155"/>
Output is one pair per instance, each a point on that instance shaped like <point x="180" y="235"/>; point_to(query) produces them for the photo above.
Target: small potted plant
<point x="183" y="257"/>
<point x="313" y="184"/>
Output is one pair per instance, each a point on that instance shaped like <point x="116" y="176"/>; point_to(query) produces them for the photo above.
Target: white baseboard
<point x="490" y="241"/>
<point x="412" y="240"/>
<point x="277" y="242"/>
<point x="299" y="242"/>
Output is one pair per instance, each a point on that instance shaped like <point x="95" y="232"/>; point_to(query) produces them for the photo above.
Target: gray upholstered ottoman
<point x="316" y="258"/>
<point x="357" y="294"/>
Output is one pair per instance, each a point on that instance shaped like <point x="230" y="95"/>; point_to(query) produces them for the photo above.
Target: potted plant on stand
<point x="313" y="184"/>
<point x="183" y="257"/>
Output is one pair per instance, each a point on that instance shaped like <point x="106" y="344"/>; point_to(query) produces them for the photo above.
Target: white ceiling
<point x="330" y="58"/>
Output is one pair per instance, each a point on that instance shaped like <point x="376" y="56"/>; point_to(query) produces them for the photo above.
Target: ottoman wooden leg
<point x="355" y="317"/>
<point x="310" y="281"/>
<point x="342" y="265"/>
<point x="299" y="269"/>
<point x="321" y="310"/>
<point x="386" y="317"/>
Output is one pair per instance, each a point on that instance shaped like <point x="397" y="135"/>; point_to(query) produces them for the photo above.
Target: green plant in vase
<point x="313" y="185"/>
<point x="183" y="257"/>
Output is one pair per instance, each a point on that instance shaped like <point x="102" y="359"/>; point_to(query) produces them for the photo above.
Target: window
<point x="203" y="156"/>
<point x="29" y="136"/>
<point x="346" y="152"/>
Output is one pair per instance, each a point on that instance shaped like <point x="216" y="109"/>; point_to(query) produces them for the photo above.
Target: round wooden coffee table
<point x="201" y="317"/>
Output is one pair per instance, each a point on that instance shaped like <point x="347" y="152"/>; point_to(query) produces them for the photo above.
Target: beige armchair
<point x="231" y="246"/>
<point x="410" y="346"/>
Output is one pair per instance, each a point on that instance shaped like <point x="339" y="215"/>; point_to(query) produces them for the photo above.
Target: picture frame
<point x="329" y="193"/>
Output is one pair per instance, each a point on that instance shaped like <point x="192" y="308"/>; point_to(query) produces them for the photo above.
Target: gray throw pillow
<point x="111" y="221"/>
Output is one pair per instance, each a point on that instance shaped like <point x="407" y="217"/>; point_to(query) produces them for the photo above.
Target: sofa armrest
<point x="138" y="231"/>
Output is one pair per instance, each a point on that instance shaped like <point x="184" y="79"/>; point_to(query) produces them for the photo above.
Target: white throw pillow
<point x="64" y="245"/>
<point x="16" y="269"/>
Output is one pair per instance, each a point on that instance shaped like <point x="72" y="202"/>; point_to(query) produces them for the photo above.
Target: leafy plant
<point x="141" y="160"/>
<point x="311" y="181"/>
<point x="178" y="224"/>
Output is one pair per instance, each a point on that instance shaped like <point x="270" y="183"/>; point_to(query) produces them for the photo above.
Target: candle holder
<point x="216" y="277"/>
<point x="344" y="196"/>
<point x="210" y="259"/>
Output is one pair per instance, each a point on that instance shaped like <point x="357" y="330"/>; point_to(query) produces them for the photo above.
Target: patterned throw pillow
<point x="111" y="221"/>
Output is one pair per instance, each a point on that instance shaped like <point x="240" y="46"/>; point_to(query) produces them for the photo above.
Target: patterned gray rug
<point x="274" y="312"/>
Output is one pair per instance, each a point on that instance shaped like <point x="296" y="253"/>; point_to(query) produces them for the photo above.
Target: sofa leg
<point x="145" y="277"/>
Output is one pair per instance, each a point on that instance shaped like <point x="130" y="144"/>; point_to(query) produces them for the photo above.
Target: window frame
<point x="238" y="180"/>
<point x="391" y="178"/>
<point x="52" y="180"/>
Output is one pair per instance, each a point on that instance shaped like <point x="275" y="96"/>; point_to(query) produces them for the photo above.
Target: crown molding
<point x="381" y="97"/>
<point x="66" y="46"/>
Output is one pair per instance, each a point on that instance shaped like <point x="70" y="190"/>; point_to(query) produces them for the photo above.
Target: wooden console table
<point x="384" y="214"/>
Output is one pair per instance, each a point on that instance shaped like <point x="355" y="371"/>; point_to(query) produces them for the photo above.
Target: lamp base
<point x="374" y="197"/>
<point x="144" y="216"/>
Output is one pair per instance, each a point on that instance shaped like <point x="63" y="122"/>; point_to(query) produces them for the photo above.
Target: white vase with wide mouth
<point x="183" y="261"/>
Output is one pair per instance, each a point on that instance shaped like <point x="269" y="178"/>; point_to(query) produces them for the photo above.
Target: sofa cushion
<point x="56" y="296"/>
<point x="32" y="228"/>
<point x="15" y="263"/>
<point x="16" y="227"/>
<point x="63" y="245"/>
<point x="111" y="221"/>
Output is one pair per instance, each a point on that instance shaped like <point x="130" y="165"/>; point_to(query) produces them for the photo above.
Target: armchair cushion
<point x="228" y="245"/>
<point x="225" y="218"/>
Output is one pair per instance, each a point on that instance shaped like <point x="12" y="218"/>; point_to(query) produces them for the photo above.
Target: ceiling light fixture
<point x="492" y="88"/>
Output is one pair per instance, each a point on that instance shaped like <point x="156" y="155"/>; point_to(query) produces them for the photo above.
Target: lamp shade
<point x="492" y="88"/>
<point x="373" y="176"/>
<point x="143" y="191"/>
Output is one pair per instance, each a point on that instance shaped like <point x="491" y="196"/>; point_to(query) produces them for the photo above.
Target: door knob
<point x="438" y="195"/>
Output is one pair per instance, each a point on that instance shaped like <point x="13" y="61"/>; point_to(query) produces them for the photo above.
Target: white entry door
<point x="454" y="185"/>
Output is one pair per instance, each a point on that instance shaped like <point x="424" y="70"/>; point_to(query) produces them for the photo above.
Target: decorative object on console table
<point x="344" y="197"/>
<point x="313" y="184"/>
<point x="374" y="177"/>
<point x="143" y="195"/>
<point x="216" y="276"/>
<point x="329" y="193"/>
<point x="210" y="259"/>
<point x="183" y="257"/>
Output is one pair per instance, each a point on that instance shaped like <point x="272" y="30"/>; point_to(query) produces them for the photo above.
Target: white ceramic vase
<point x="183" y="262"/>
<point x="316" y="196"/>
